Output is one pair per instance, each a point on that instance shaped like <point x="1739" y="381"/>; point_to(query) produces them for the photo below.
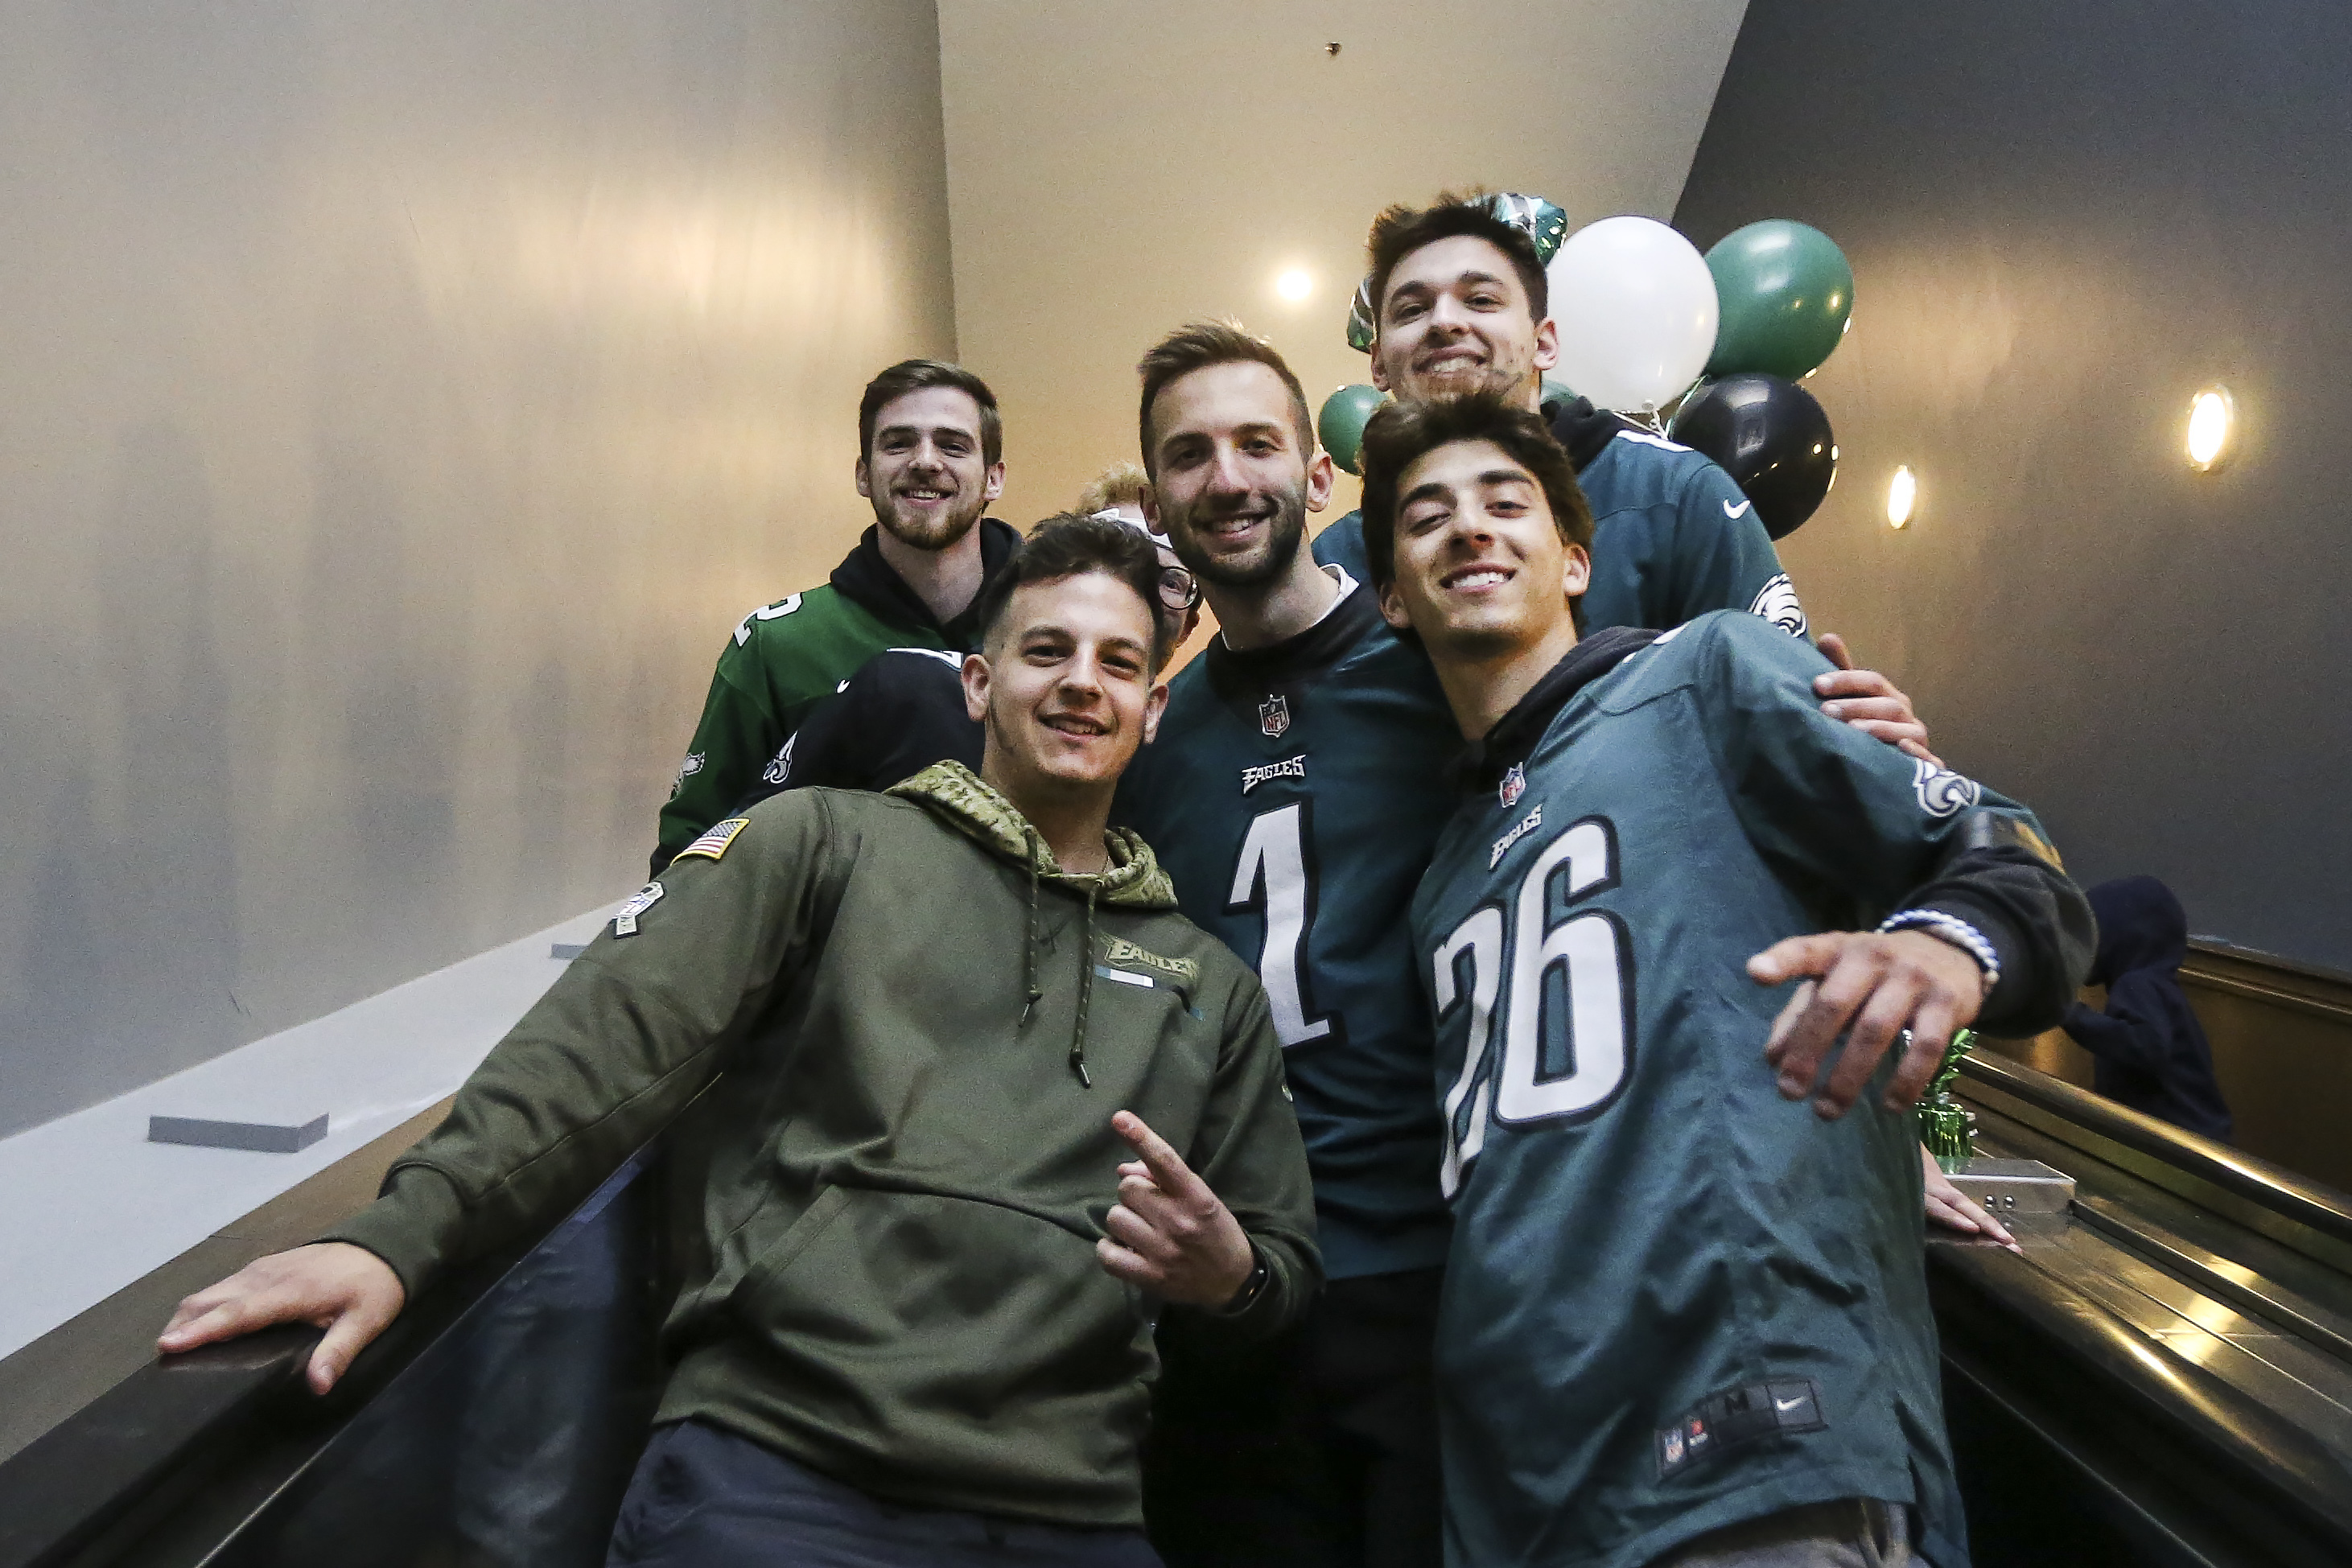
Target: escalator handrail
<point x="2274" y="1187"/>
<point x="2215" y="1416"/>
<point x="139" y="1446"/>
<point x="71" y="1484"/>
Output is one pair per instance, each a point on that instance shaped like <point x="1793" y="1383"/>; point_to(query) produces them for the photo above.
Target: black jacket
<point x="2152" y="1052"/>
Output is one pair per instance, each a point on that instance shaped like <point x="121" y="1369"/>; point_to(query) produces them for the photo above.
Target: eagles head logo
<point x="1941" y="792"/>
<point x="1514" y="785"/>
<point x="1274" y="717"/>
<point x="1777" y="601"/>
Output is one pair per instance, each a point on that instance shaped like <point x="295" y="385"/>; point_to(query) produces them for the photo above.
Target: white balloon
<point x="1636" y="311"/>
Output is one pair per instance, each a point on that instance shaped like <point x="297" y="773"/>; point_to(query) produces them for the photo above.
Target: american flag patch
<point x="714" y="844"/>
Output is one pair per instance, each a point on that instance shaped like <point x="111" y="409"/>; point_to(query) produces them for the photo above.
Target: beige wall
<point x="1114" y="169"/>
<point x="398" y="406"/>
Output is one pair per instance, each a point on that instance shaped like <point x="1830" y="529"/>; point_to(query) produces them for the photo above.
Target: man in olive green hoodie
<point x="949" y="1014"/>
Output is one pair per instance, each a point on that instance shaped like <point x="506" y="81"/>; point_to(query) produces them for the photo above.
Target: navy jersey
<point x="1294" y="794"/>
<point x="1676" y="1301"/>
<point x="1673" y="538"/>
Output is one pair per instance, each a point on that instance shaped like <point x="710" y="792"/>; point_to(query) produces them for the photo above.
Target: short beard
<point x="1283" y="541"/>
<point x="1490" y="378"/>
<point x="943" y="535"/>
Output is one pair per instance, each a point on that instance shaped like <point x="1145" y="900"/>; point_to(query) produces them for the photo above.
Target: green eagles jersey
<point x="782" y="660"/>
<point x="1676" y="1301"/>
<point x="1673" y="538"/>
<point x="1293" y="796"/>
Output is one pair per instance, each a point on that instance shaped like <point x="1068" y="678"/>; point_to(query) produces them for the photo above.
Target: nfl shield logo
<point x="1515" y="784"/>
<point x="1273" y="715"/>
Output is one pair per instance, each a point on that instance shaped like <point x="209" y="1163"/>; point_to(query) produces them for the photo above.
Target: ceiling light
<point x="1293" y="285"/>
<point x="1902" y="495"/>
<point x="2212" y="420"/>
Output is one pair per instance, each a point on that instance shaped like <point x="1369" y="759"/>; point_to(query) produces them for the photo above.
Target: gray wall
<point x="398" y="406"/>
<point x="2064" y="220"/>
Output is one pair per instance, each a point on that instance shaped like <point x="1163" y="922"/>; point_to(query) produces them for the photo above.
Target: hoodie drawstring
<point x="1085" y="991"/>
<point x="1029" y="948"/>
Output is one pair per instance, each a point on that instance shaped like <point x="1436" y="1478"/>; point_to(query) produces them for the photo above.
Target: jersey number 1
<point x="1276" y="877"/>
<point x="1583" y="965"/>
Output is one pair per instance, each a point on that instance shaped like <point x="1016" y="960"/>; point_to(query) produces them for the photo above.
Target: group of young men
<point x="1386" y="1029"/>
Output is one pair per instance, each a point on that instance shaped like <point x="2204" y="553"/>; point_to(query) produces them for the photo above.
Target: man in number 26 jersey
<point x="1682" y="1311"/>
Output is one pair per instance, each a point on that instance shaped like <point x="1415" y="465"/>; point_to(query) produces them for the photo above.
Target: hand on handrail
<point x="348" y="1290"/>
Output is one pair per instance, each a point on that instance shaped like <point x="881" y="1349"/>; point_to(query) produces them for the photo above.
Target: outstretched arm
<point x="1986" y="928"/>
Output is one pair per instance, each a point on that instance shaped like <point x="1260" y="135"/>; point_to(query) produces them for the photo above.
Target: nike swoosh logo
<point x="1785" y="1405"/>
<point x="1738" y="511"/>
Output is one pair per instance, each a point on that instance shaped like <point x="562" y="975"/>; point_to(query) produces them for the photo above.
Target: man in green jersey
<point x="1684" y="1317"/>
<point x="993" y="1107"/>
<point x="929" y="459"/>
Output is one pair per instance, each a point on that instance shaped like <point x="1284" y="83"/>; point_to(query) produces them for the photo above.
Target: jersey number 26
<point x="1569" y="981"/>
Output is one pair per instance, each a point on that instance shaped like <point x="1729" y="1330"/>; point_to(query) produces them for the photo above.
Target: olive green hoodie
<point x="926" y="1025"/>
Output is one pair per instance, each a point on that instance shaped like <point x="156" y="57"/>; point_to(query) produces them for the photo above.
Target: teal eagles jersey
<point x="1676" y="1301"/>
<point x="1673" y="538"/>
<point x="1293" y="794"/>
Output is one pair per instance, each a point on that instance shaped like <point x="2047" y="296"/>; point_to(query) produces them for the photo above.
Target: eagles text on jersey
<point x="1293" y="794"/>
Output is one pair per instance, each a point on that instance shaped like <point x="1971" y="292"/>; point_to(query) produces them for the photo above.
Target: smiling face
<point x="1455" y="318"/>
<point x="1481" y="569"/>
<point x="1231" y="485"/>
<point x="1066" y="687"/>
<point x="926" y="473"/>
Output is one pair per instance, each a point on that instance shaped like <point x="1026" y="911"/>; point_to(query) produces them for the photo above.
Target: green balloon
<point x="1340" y="426"/>
<point x="1786" y="294"/>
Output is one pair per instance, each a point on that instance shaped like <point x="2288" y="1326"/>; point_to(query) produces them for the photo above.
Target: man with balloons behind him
<point x="1458" y="301"/>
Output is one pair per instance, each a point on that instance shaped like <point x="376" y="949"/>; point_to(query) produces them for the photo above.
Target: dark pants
<point x="1315" y="1450"/>
<point x="704" y="1497"/>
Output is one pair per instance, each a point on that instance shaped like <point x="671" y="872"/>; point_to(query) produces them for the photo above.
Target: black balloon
<point x="1771" y="437"/>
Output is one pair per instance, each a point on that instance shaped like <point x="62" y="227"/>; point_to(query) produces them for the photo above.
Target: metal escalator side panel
<point x="2288" y="1208"/>
<point x="2208" y="1463"/>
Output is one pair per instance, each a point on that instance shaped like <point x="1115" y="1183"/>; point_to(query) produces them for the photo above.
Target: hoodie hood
<point x="957" y="797"/>
<point x="1517" y="732"/>
<point x="1584" y="430"/>
<point x="2151" y="1050"/>
<point x="866" y="579"/>
<point x="2141" y="927"/>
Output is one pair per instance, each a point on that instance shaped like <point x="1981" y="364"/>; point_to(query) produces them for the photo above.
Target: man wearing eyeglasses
<point x="904" y="708"/>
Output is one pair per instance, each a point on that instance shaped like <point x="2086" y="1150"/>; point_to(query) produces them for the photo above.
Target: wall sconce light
<point x="1293" y="285"/>
<point x="1902" y="495"/>
<point x="2212" y="422"/>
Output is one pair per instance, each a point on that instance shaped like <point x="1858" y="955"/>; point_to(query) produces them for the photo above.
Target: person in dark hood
<point x="2152" y="1052"/>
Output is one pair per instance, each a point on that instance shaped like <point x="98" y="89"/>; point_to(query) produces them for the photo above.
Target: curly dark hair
<point x="1065" y="545"/>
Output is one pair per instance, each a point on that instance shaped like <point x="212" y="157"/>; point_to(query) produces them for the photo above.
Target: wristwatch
<point x="1250" y="1289"/>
